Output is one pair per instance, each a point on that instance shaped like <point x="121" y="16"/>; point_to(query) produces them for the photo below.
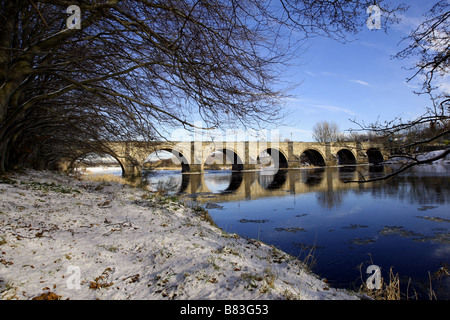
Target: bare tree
<point x="430" y="44"/>
<point x="325" y="131"/>
<point x="136" y="67"/>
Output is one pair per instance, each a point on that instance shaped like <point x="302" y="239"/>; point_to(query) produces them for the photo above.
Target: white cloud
<point x="333" y="74"/>
<point x="332" y="108"/>
<point x="439" y="41"/>
<point x="445" y="87"/>
<point x="312" y="106"/>
<point x="359" y="82"/>
<point x="407" y="23"/>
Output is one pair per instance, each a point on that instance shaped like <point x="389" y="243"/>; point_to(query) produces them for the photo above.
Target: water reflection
<point x="347" y="173"/>
<point x="312" y="177"/>
<point x="402" y="222"/>
<point x="273" y="181"/>
<point x="235" y="182"/>
<point x="329" y="184"/>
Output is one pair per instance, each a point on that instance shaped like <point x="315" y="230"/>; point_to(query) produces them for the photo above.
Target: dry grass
<point x="102" y="280"/>
<point x="47" y="296"/>
<point x="389" y="289"/>
<point x="392" y="289"/>
<point x="110" y="178"/>
<point x="103" y="178"/>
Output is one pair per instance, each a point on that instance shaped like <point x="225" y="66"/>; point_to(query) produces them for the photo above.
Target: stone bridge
<point x="244" y="155"/>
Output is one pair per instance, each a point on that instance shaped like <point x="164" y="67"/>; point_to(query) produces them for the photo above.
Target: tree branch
<point x="403" y="168"/>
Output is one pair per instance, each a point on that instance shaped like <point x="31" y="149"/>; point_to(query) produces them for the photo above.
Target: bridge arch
<point x="229" y="156"/>
<point x="82" y="155"/>
<point x="312" y="157"/>
<point x="345" y="157"/>
<point x="278" y="157"/>
<point x="183" y="161"/>
<point x="374" y="156"/>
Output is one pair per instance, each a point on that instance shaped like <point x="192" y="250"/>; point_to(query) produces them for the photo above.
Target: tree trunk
<point x="3" y="160"/>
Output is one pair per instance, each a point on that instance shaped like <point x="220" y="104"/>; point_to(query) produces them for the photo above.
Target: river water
<point x="402" y="223"/>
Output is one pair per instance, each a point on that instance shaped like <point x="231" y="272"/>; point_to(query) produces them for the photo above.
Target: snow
<point x="423" y="156"/>
<point x="101" y="170"/>
<point x="438" y="166"/>
<point x="433" y="154"/>
<point x="78" y="239"/>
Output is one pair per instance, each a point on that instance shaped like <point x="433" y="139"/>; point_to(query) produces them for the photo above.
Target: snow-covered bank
<point x="440" y="165"/>
<point x="434" y="154"/>
<point x="423" y="156"/>
<point x="74" y="239"/>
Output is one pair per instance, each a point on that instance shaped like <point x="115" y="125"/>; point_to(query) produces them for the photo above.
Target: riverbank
<point x="62" y="237"/>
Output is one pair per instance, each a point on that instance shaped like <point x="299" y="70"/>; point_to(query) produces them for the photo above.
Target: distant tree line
<point x="431" y="133"/>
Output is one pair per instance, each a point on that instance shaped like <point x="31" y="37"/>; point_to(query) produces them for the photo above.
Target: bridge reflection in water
<point x="238" y="185"/>
<point x="343" y="225"/>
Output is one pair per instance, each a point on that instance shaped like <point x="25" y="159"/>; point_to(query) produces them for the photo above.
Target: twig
<point x="39" y="12"/>
<point x="431" y="294"/>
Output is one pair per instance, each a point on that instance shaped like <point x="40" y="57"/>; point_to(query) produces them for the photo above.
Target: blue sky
<point x="356" y="80"/>
<point x="359" y="80"/>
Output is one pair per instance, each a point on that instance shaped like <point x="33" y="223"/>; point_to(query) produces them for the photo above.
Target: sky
<point x="358" y="80"/>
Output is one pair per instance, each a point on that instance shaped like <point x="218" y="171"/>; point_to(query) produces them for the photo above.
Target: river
<point x="341" y="228"/>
